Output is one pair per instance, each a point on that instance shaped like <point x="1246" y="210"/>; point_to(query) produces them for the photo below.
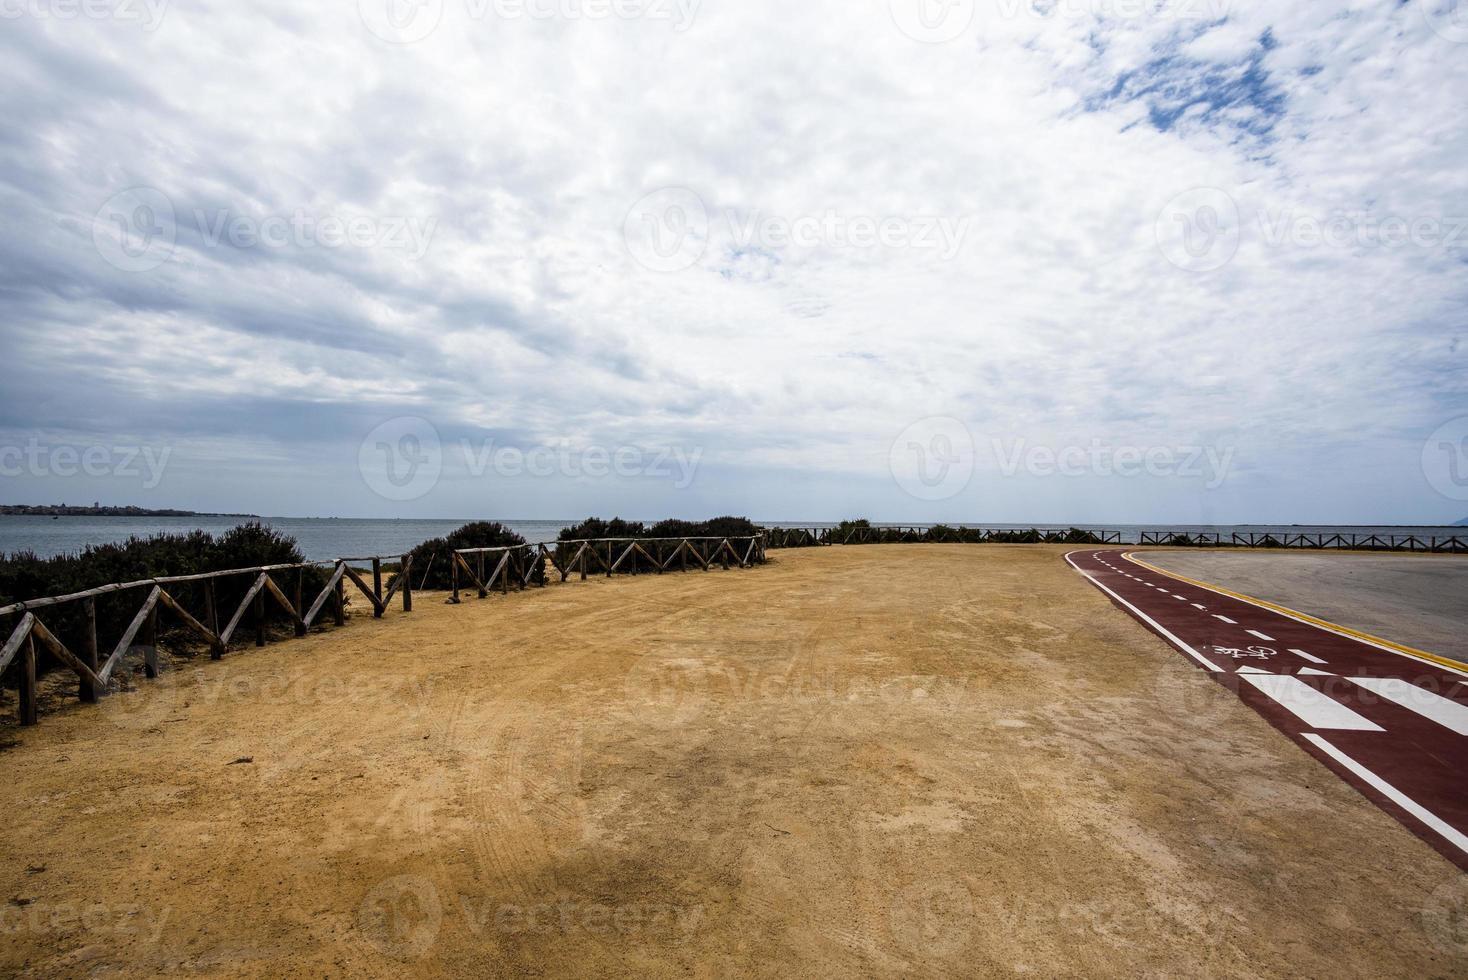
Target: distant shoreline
<point x="64" y="510"/>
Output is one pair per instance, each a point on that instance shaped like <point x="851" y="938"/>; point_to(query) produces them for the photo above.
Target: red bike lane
<point x="1392" y="725"/>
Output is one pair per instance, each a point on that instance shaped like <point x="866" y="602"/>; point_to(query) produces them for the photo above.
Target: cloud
<point x="280" y="306"/>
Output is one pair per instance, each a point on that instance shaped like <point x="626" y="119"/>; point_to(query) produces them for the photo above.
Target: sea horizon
<point x="328" y="538"/>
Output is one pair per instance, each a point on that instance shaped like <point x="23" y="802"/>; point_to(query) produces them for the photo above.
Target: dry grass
<point x="906" y="759"/>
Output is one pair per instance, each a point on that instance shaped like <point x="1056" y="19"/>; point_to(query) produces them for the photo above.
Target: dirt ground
<point x="917" y="760"/>
<point x="1419" y="600"/>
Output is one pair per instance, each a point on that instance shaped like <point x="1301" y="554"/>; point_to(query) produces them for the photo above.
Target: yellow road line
<point x="1306" y="618"/>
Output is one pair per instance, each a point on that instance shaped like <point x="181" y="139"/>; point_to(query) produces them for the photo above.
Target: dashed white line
<point x="1199" y="605"/>
<point x="1180" y="598"/>
<point x="1166" y="633"/>
<point x="1231" y="622"/>
<point x="1310" y="657"/>
<point x="1263" y="636"/>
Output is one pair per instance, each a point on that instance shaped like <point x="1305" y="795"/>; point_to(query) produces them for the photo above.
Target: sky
<point x="914" y="260"/>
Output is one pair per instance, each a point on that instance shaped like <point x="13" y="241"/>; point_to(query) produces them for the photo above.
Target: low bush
<point x="433" y="560"/>
<point x="596" y="529"/>
<point x="24" y="576"/>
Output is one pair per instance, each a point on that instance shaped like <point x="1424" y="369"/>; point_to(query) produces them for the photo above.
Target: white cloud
<point x="525" y="142"/>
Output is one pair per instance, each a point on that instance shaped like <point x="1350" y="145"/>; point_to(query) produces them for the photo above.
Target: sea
<point x="324" y="539"/>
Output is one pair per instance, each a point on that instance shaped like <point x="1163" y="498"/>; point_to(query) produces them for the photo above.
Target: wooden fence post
<point x="300" y="593"/>
<point x="28" y="683"/>
<point x="454" y="569"/>
<point x="150" y="645"/>
<point x="86" y="690"/>
<point x="260" y="618"/>
<point x="377" y="607"/>
<point x="407" y="573"/>
<point x="211" y="619"/>
<point x="584" y="550"/>
<point x="339" y="601"/>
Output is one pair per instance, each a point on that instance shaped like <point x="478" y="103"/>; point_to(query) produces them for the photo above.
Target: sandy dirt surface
<point x="898" y="760"/>
<point x="1421" y="601"/>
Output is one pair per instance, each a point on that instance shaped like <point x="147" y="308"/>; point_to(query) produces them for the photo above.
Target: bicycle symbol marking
<point x="1252" y="653"/>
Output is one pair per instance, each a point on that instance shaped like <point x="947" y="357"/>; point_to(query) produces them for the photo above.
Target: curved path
<point x="1391" y="721"/>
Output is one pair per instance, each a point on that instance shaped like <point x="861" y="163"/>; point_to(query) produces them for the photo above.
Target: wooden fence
<point x="815" y="537"/>
<point x="525" y="565"/>
<point x="522" y="566"/>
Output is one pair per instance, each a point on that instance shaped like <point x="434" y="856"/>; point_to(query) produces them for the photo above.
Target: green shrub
<point x="24" y="576"/>
<point x="433" y="560"/>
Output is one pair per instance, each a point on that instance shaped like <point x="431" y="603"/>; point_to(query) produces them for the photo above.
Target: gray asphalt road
<point x="1417" y="600"/>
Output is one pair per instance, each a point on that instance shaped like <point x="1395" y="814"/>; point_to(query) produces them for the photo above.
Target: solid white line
<point x="1448" y="713"/>
<point x="1263" y="636"/>
<point x="1309" y="657"/>
<point x="1310" y="706"/>
<point x="1392" y="793"/>
<point x="1231" y="622"/>
<point x="1148" y="620"/>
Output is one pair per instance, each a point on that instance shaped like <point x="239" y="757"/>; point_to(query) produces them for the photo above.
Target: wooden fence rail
<point x="520" y="566"/>
<point x="95" y="674"/>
